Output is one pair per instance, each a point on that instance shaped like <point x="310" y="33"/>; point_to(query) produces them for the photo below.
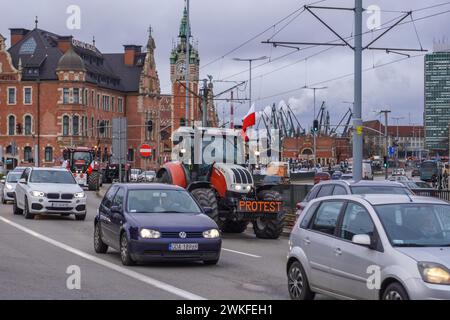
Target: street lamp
<point x="314" y="134"/>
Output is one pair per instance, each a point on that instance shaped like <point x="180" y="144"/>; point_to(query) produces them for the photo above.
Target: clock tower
<point x="178" y="77"/>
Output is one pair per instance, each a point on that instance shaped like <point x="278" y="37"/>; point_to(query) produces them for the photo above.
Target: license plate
<point x="183" y="246"/>
<point x="60" y="205"/>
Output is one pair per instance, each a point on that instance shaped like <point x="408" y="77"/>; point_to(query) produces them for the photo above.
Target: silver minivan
<point x="392" y="247"/>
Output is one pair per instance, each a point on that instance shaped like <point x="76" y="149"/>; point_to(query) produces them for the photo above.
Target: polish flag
<point x="249" y="121"/>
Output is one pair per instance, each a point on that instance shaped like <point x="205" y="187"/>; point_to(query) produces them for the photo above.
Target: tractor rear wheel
<point x="269" y="228"/>
<point x="235" y="226"/>
<point x="207" y="198"/>
<point x="94" y="181"/>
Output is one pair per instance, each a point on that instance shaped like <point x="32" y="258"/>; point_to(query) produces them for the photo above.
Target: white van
<point x="367" y="173"/>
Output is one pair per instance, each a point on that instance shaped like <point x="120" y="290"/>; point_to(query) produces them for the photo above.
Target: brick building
<point x="56" y="92"/>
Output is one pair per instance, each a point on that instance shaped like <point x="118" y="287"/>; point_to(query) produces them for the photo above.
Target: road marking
<point x="243" y="253"/>
<point x="132" y="274"/>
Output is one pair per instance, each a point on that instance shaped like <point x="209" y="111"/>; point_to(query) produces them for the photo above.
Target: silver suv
<point x="393" y="247"/>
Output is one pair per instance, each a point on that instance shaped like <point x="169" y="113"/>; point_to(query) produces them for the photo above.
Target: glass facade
<point x="437" y="101"/>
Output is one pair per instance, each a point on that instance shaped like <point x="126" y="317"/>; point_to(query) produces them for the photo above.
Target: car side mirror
<point x="23" y="181"/>
<point x="208" y="210"/>
<point x="362" y="239"/>
<point x="116" y="209"/>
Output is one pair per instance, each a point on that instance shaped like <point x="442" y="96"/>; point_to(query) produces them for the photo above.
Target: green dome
<point x="70" y="61"/>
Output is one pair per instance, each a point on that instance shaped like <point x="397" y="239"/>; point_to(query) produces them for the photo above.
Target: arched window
<point x="11" y="125"/>
<point x="9" y="149"/>
<point x="28" y="124"/>
<point x="76" y="125"/>
<point x="65" y="125"/>
<point x="48" y="154"/>
<point x="27" y="154"/>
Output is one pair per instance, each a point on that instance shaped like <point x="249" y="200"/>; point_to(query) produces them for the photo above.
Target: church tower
<point x="178" y="77"/>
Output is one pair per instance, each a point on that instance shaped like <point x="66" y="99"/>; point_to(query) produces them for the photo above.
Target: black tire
<point x="99" y="245"/>
<point x="269" y="228"/>
<point x="16" y="209"/>
<point x="298" y="284"/>
<point x="211" y="262"/>
<point x="80" y="217"/>
<point x="207" y="198"/>
<point x="26" y="211"/>
<point x="395" y="291"/>
<point x="125" y="256"/>
<point x="235" y="226"/>
<point x="4" y="201"/>
<point x="94" y="181"/>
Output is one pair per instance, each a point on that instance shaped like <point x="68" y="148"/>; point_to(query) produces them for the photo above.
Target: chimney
<point x="64" y="43"/>
<point x="131" y="51"/>
<point x="17" y="34"/>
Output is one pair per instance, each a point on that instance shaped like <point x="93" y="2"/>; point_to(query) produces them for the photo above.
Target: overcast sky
<point x="220" y="26"/>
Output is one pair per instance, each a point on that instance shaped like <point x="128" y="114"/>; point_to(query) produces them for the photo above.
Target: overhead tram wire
<point x="259" y="34"/>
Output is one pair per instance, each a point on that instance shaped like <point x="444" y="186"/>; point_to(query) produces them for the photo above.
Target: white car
<point x="51" y="191"/>
<point x="9" y="186"/>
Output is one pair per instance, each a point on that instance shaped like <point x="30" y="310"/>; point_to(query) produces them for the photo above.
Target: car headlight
<point x="37" y="194"/>
<point x="211" y="234"/>
<point x="9" y="186"/>
<point x="79" y="195"/>
<point x="434" y="273"/>
<point x="238" y="187"/>
<point x="150" y="234"/>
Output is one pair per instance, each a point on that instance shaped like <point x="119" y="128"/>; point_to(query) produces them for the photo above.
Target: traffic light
<point x="385" y="162"/>
<point x="149" y="125"/>
<point x="316" y="125"/>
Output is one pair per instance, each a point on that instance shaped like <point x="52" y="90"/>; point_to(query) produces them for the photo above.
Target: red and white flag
<point x="248" y="121"/>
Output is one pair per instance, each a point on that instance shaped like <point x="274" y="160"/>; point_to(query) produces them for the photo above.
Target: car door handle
<point x="338" y="251"/>
<point x="306" y="241"/>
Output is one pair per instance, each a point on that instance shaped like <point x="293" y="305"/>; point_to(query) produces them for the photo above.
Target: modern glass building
<point x="437" y="101"/>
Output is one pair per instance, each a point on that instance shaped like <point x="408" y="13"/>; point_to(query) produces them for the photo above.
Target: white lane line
<point x="243" y="253"/>
<point x="132" y="274"/>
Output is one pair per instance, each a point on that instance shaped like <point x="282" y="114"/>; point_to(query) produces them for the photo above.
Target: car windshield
<point x="416" y="225"/>
<point x="150" y="173"/>
<point x="161" y="201"/>
<point x="13" y="177"/>
<point x="135" y="171"/>
<point x="85" y="156"/>
<point x="379" y="190"/>
<point x="52" y="176"/>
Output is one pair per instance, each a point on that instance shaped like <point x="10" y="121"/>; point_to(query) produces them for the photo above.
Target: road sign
<point x="119" y="141"/>
<point x="145" y="151"/>
<point x="391" y="151"/>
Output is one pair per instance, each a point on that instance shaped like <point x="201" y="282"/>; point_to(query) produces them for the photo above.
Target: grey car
<point x="390" y="247"/>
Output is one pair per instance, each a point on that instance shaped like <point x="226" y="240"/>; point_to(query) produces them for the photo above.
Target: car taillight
<point x="299" y="206"/>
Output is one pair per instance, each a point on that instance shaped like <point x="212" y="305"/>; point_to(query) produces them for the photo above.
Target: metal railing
<point x="440" y="194"/>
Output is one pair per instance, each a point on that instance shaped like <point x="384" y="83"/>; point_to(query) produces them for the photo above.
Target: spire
<point x="36" y="21"/>
<point x="184" y="24"/>
<point x="151" y="42"/>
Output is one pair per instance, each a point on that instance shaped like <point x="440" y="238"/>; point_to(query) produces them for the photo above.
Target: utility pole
<point x="205" y="104"/>
<point x="314" y="118"/>
<point x="188" y="57"/>
<point x="386" y="112"/>
<point x="358" y="48"/>
<point x="397" y="120"/>
<point x="231" y="111"/>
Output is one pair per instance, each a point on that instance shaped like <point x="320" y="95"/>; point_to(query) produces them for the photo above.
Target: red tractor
<point x="85" y="169"/>
<point x="223" y="186"/>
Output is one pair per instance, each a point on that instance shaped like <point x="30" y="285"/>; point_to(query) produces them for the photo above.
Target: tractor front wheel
<point x="235" y="226"/>
<point x="207" y="198"/>
<point x="94" y="181"/>
<point x="269" y="228"/>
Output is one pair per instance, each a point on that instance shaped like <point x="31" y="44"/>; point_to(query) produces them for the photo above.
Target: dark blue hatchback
<point x="155" y="222"/>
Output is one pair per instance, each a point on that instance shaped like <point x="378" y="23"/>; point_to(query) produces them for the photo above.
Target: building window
<point x="86" y="97"/>
<point x="11" y="95"/>
<point x="28" y="124"/>
<point x="11" y="125"/>
<point x="98" y="100"/>
<point x="85" y="126"/>
<point x="27" y="154"/>
<point x="76" y="125"/>
<point x="48" y="154"/>
<point x="27" y="95"/>
<point x="65" y="125"/>
<point x="92" y="127"/>
<point x="120" y="105"/>
<point x="76" y="95"/>
<point x="112" y="104"/>
<point x="131" y="155"/>
<point x="66" y="95"/>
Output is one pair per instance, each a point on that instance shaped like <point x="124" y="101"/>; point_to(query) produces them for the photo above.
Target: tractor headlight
<point x="38" y="194"/>
<point x="79" y="195"/>
<point x="150" y="234"/>
<point x="249" y="188"/>
<point x="211" y="234"/>
<point x="238" y="187"/>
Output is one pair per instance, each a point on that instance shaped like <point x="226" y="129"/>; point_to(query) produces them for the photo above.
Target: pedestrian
<point x="434" y="180"/>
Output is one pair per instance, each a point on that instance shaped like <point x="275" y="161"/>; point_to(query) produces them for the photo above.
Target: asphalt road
<point x="35" y="255"/>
